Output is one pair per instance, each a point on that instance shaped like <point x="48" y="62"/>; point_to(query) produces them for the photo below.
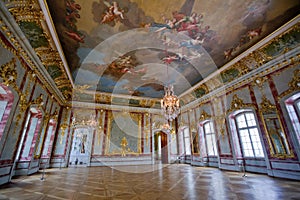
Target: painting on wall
<point x="136" y="47"/>
<point x="123" y="135"/>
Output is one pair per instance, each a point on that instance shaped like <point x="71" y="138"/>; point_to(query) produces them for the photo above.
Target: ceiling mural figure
<point x="112" y="13"/>
<point x="130" y="43"/>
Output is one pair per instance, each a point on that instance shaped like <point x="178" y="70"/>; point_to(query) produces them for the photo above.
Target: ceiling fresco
<point x="136" y="47"/>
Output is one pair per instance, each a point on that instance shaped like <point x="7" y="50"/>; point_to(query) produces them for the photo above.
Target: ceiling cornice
<point x="24" y="16"/>
<point x="54" y="36"/>
<point x="23" y="48"/>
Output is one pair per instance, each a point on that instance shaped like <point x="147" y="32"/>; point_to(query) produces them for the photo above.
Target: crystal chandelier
<point x="170" y="104"/>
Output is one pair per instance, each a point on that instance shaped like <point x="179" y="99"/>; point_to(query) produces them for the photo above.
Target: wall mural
<point x="124" y="134"/>
<point x="132" y="47"/>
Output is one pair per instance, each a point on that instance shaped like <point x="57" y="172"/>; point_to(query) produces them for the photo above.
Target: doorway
<point x="80" y="154"/>
<point x="161" y="153"/>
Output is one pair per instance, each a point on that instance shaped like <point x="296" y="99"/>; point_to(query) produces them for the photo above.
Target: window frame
<point x="248" y="128"/>
<point x="213" y="138"/>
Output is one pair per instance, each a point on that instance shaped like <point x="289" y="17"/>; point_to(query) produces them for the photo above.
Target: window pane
<point x="214" y="144"/>
<point x="210" y="138"/>
<point x="2" y="91"/>
<point x="187" y="142"/>
<point x="249" y="136"/>
<point x="250" y="119"/>
<point x="241" y="121"/>
<point x="2" y="108"/>
<point x="207" y="127"/>
<point x="47" y="141"/>
<point x="209" y="144"/>
<point x="294" y="119"/>
<point x="29" y="138"/>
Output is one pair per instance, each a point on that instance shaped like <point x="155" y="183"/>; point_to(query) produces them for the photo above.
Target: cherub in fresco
<point x="72" y="6"/>
<point x="71" y="18"/>
<point x="178" y="16"/>
<point x="75" y="36"/>
<point x="170" y="24"/>
<point x="193" y="18"/>
<point x="228" y="53"/>
<point x="169" y="59"/>
<point x="190" y="24"/>
<point x="254" y="32"/>
<point x="113" y="12"/>
<point x="134" y="72"/>
<point x="192" y="43"/>
<point x="125" y="64"/>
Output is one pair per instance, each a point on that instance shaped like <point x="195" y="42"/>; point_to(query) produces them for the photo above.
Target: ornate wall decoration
<point x="294" y="84"/>
<point x="120" y="125"/>
<point x="24" y="103"/>
<point x="277" y="139"/>
<point x="204" y="115"/>
<point x="201" y="90"/>
<point x="124" y="147"/>
<point x="64" y="126"/>
<point x="102" y="98"/>
<point x="148" y="103"/>
<point x="9" y="74"/>
<point x="147" y="127"/>
<point x="220" y="118"/>
<point x="229" y="74"/>
<point x="242" y="67"/>
<point x="238" y="103"/>
<point x="30" y="18"/>
<point x="283" y="43"/>
<point x="25" y="10"/>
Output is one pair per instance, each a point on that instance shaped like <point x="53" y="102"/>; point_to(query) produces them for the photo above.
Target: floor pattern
<point x="174" y="182"/>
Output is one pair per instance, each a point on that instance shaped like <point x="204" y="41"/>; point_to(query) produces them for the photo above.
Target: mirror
<point x="275" y="134"/>
<point x="195" y="138"/>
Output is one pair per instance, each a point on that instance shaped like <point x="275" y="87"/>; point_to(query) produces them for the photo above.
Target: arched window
<point x="49" y="139"/>
<point x="30" y="133"/>
<point x="210" y="139"/>
<point x="248" y="133"/>
<point x="6" y="101"/>
<point x="293" y="107"/>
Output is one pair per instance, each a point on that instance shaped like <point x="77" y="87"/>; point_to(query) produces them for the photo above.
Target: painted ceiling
<point x="136" y="47"/>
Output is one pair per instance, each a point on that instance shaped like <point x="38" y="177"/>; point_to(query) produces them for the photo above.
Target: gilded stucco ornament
<point x="276" y="137"/>
<point x="102" y="98"/>
<point x="238" y="103"/>
<point x="147" y="103"/>
<point x="64" y="126"/>
<point x="219" y="118"/>
<point x="266" y="107"/>
<point x="25" y="10"/>
<point x="204" y="116"/>
<point x="100" y="127"/>
<point x="9" y="73"/>
<point x="294" y="84"/>
<point x="30" y="18"/>
<point x="124" y="144"/>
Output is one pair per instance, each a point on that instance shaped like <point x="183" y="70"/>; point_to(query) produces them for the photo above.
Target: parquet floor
<point x="149" y="182"/>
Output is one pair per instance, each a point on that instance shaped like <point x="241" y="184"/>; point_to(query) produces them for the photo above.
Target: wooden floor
<point x="149" y="182"/>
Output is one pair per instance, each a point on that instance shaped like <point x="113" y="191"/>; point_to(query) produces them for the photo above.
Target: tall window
<point x="30" y="133"/>
<point x="6" y="101"/>
<point x="187" y="141"/>
<point x="249" y="135"/>
<point x="49" y="139"/>
<point x="210" y="139"/>
<point x="293" y="108"/>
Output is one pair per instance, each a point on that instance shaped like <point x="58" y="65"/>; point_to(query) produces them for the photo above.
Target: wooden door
<point x="164" y="148"/>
